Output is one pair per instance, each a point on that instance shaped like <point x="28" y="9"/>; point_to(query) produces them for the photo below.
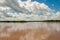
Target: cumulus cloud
<point x="35" y="7"/>
<point x="25" y="10"/>
<point x="56" y="16"/>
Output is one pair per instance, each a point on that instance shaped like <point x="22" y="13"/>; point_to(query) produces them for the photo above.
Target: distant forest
<point x="33" y="21"/>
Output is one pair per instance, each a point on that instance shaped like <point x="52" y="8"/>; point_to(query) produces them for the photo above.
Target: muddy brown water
<point x="30" y="31"/>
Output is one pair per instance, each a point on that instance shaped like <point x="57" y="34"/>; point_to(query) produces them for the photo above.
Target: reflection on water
<point x="22" y="26"/>
<point x="30" y="29"/>
<point x="54" y="26"/>
<point x="31" y="25"/>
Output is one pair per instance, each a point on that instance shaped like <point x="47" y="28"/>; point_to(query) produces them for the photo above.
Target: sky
<point x="29" y="10"/>
<point x="53" y="4"/>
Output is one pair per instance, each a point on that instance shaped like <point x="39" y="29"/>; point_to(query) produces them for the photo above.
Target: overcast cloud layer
<point x="26" y="10"/>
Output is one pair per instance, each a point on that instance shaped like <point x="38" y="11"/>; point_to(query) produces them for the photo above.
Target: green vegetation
<point x="32" y="21"/>
<point x="14" y="21"/>
<point x="51" y="21"/>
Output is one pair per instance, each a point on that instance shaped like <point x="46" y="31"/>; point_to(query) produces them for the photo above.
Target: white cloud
<point x="26" y="10"/>
<point x="56" y="16"/>
<point x="35" y="7"/>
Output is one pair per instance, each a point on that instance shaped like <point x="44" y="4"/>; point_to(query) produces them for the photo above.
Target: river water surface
<point x="30" y="31"/>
